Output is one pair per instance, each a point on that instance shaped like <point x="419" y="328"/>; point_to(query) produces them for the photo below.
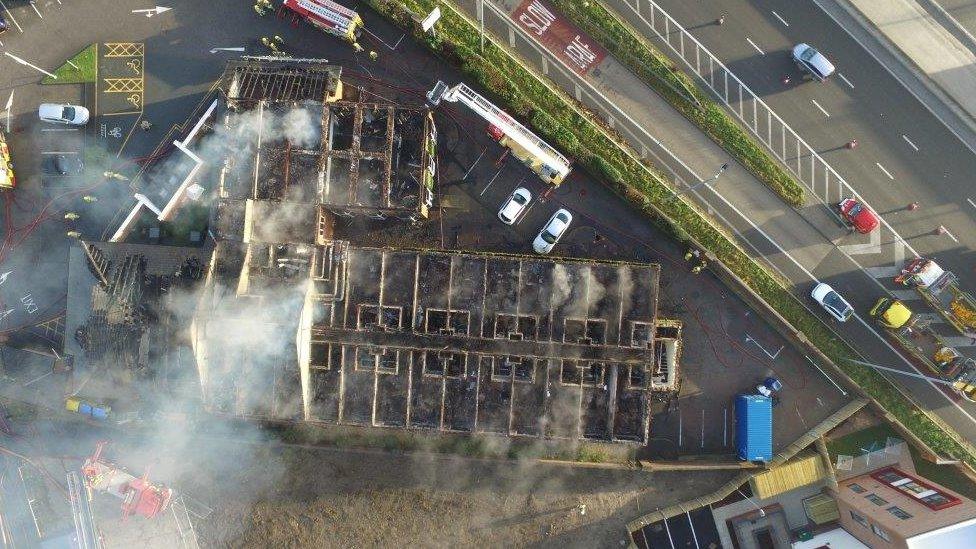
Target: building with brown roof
<point x="889" y="508"/>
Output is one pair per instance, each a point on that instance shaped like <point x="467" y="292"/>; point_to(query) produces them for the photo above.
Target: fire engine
<point x="7" y="179"/>
<point x="330" y="17"/>
<point x="551" y="166"/>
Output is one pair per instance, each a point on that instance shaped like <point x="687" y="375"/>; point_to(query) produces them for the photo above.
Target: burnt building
<point x="295" y="323"/>
<point x="306" y="137"/>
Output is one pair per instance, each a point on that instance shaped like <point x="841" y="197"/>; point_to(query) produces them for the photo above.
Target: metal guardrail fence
<point x="802" y="160"/>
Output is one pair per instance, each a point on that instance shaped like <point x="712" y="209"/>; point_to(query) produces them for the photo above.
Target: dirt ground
<point x="296" y="497"/>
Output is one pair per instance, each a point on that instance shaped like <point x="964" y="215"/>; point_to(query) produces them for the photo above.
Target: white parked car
<point x="812" y="61"/>
<point x="515" y="205"/>
<point x="837" y="306"/>
<point x="552" y="231"/>
<point x="73" y="115"/>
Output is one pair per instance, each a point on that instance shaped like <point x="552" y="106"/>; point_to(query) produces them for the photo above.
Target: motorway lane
<point x="885" y="119"/>
<point x="803" y="246"/>
<point x="877" y="111"/>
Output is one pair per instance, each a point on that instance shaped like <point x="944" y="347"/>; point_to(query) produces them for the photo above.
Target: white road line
<point x="59" y="129"/>
<point x="823" y="110"/>
<point x="971" y="203"/>
<point x="37" y="11"/>
<point x="59" y="152"/>
<point x="844" y="78"/>
<point x="781" y="20"/>
<point x="886" y="172"/>
<point x="909" y="141"/>
<point x="755" y="46"/>
<point x="950" y="235"/>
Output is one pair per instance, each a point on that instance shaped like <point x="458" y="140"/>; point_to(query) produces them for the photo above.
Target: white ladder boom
<point x="510" y="127"/>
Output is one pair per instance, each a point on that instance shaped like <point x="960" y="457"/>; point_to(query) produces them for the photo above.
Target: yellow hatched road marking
<point x="124" y="49"/>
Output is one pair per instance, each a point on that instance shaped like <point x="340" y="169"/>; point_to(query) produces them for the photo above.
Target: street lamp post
<point x="705" y="181"/>
<point x="762" y="512"/>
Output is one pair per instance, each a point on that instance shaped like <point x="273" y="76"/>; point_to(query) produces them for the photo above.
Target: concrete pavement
<point x="943" y="55"/>
<point x="804" y="246"/>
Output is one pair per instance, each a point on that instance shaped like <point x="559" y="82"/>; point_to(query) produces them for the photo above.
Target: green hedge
<point x="575" y="131"/>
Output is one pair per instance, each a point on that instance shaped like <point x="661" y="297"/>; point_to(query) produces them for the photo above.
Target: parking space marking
<point x="473" y="164"/>
<point x="679" y="428"/>
<point x="59" y="129"/>
<point x="949" y="234"/>
<point x="971" y="203"/>
<point x="755" y="46"/>
<point x="781" y="20"/>
<point x="11" y="16"/>
<point x="773" y="356"/>
<point x="844" y="78"/>
<point x="490" y="181"/>
<point x="59" y="152"/>
<point x="909" y="141"/>
<point x="886" y="172"/>
<point x="823" y="110"/>
<point x="37" y="11"/>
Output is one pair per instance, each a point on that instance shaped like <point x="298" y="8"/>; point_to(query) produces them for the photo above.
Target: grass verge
<point x="660" y="73"/>
<point x="599" y="150"/>
<point x="77" y="70"/>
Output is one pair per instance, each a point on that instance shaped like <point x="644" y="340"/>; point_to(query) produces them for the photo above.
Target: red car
<point x="858" y="215"/>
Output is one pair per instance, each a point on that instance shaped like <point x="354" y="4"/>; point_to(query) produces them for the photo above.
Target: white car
<point x="63" y="114"/>
<point x="812" y="61"/>
<point x="837" y="306"/>
<point x="515" y="205"/>
<point x="552" y="231"/>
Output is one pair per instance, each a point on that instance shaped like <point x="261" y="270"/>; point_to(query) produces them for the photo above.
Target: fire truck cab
<point x="330" y="17"/>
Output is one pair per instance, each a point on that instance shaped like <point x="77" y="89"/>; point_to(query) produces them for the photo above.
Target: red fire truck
<point x="330" y="17"/>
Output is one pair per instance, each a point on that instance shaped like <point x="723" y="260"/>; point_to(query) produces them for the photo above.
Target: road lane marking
<point x="844" y="78"/>
<point x="781" y="20"/>
<point x="755" y="46"/>
<point x="823" y="110"/>
<point x="909" y="141"/>
<point x="971" y="203"/>
<point x="886" y="172"/>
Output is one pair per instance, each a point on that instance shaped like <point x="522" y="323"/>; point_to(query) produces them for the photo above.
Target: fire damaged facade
<point x="318" y="141"/>
<point x="295" y="323"/>
<point x="437" y="340"/>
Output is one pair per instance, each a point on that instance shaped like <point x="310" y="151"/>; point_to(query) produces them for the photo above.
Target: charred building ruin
<point x="294" y="323"/>
<point x="309" y="139"/>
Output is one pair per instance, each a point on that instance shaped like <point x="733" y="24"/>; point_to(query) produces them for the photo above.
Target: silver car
<point x="552" y="231"/>
<point x="812" y="61"/>
<point x="832" y="302"/>
<point x="72" y="115"/>
<point x="515" y="205"/>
